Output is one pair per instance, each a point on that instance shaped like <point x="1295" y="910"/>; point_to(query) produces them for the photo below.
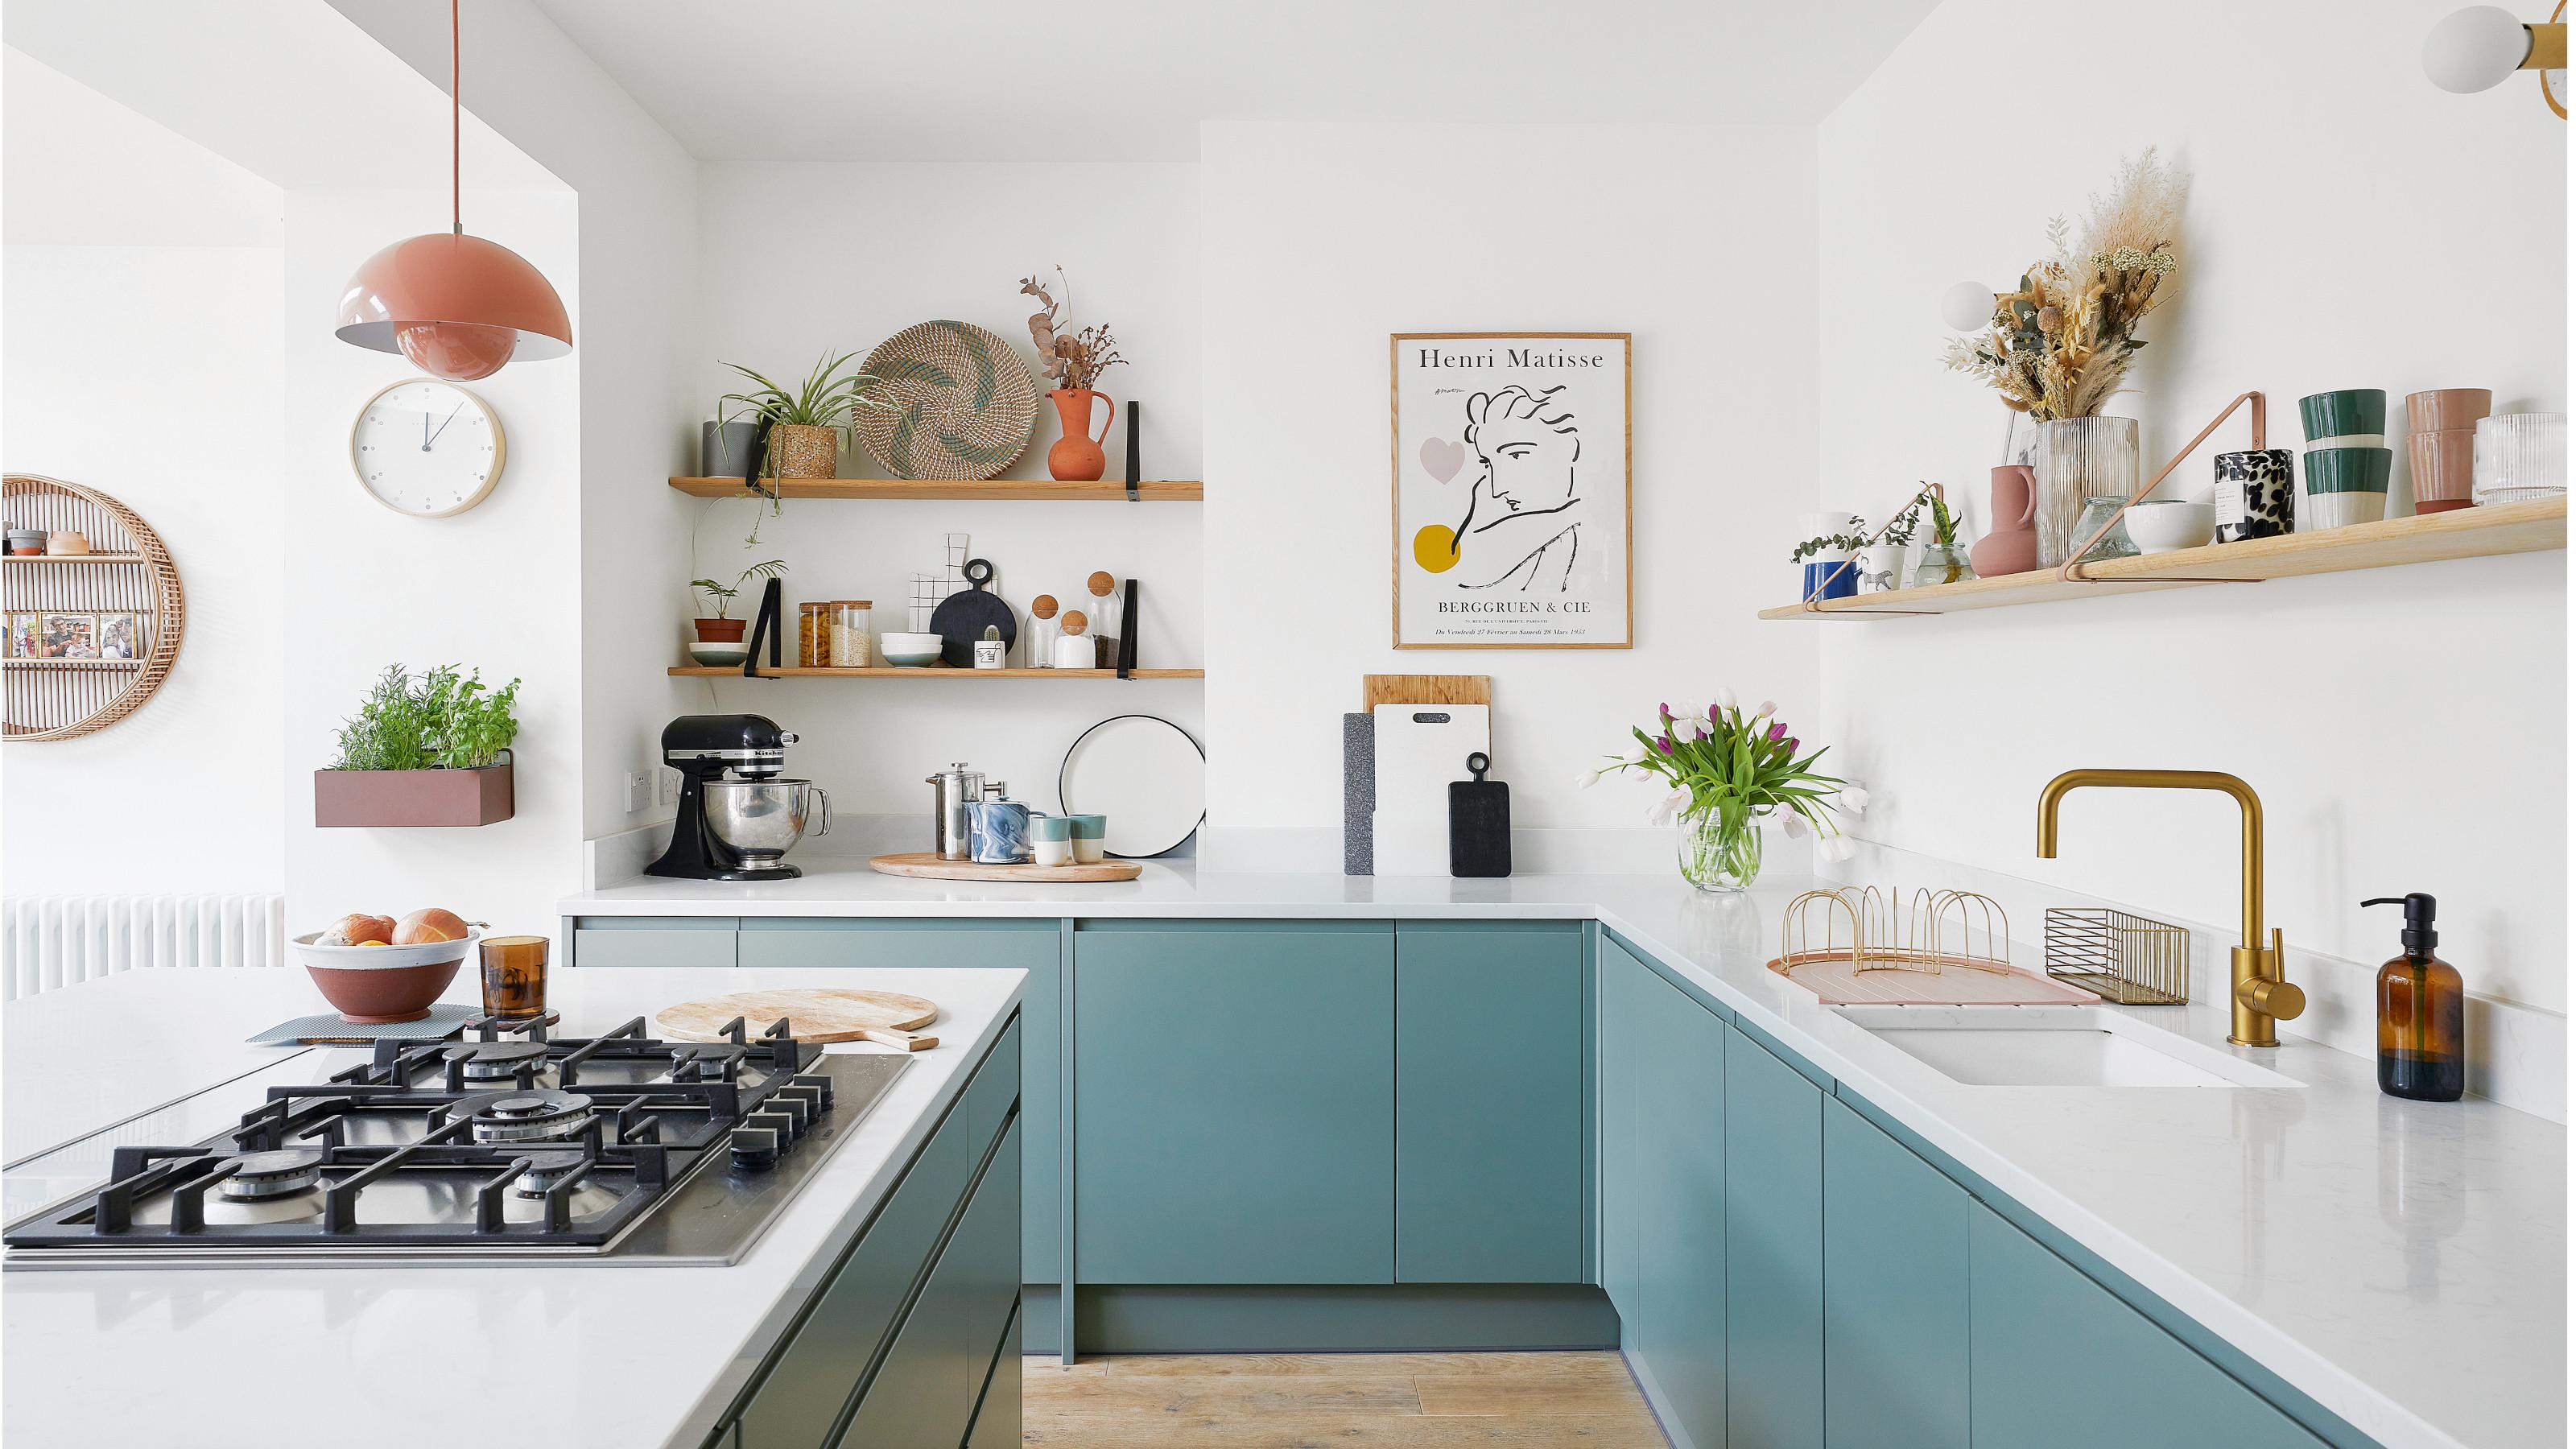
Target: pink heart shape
<point x="1443" y="457"/>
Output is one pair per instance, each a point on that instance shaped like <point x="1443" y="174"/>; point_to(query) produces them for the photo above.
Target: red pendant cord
<point x="455" y="124"/>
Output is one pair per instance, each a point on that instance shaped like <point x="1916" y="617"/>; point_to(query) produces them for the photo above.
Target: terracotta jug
<point x="1076" y="457"/>
<point x="2011" y="544"/>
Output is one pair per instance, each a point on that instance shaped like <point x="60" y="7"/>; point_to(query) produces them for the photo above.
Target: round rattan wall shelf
<point x="91" y="636"/>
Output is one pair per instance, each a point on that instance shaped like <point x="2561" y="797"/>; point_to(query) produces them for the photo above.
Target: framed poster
<point x="1511" y="490"/>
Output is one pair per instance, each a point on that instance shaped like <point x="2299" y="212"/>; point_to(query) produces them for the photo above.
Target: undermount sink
<point x="2054" y="1046"/>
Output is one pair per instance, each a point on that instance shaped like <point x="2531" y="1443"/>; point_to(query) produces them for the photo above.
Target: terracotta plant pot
<point x="721" y="631"/>
<point x="798" y="451"/>
<point x="1076" y="457"/>
<point x="344" y="798"/>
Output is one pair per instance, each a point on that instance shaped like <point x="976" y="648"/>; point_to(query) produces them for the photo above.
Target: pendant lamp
<point x="458" y="306"/>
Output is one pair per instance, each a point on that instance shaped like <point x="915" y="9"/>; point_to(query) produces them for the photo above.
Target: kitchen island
<point x="597" y="1353"/>
<point x="2376" y="1271"/>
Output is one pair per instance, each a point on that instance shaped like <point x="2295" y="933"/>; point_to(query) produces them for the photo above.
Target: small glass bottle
<point x="1039" y="649"/>
<point x="814" y="633"/>
<point x="1104" y="621"/>
<point x="850" y="634"/>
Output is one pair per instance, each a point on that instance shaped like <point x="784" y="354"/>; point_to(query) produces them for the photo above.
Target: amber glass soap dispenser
<point x="2419" y="1013"/>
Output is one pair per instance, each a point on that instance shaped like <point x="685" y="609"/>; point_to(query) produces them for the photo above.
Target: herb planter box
<point x="412" y="797"/>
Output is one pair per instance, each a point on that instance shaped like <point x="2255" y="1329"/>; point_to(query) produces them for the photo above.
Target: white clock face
<point x="427" y="449"/>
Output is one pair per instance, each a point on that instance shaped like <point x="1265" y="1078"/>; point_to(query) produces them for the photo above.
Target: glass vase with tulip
<point x="1729" y="771"/>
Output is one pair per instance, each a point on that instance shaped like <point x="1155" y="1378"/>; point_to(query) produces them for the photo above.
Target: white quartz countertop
<point x="2404" y="1263"/>
<point x="617" y="1355"/>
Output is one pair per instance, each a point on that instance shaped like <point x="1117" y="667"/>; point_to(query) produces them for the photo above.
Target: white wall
<point x="1319" y="241"/>
<point x="142" y="357"/>
<point x="795" y="259"/>
<point x="2349" y="226"/>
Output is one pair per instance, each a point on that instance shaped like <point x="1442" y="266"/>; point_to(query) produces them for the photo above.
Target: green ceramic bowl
<point x="2338" y="414"/>
<point x="2348" y="470"/>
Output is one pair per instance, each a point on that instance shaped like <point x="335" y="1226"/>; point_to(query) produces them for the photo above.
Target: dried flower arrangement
<point x="2059" y="347"/>
<point x="1074" y="359"/>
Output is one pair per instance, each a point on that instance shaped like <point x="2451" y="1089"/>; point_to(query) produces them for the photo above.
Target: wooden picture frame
<point x="1510" y="490"/>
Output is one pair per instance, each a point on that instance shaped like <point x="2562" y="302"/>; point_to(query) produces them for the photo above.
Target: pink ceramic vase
<point x="2011" y="544"/>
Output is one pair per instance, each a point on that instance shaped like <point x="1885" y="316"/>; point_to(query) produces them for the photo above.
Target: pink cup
<point x="2445" y="467"/>
<point x="2447" y="407"/>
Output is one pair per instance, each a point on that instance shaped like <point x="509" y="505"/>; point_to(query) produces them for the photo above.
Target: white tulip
<point x="1669" y="809"/>
<point x="1587" y="779"/>
<point x="1794" y="825"/>
<point x="1725" y="698"/>
<point x="1853" y="799"/>
<point x="1696" y="726"/>
<point x="1836" y="847"/>
<point x="1691" y="709"/>
<point x="1767" y="710"/>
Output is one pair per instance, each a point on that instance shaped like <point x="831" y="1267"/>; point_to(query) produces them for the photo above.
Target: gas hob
<point x="508" y="1144"/>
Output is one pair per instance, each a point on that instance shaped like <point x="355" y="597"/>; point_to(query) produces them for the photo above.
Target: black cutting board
<point x="962" y="618"/>
<point x="1480" y="822"/>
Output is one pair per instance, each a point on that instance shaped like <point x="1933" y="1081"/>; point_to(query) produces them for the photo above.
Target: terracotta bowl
<point x="377" y="985"/>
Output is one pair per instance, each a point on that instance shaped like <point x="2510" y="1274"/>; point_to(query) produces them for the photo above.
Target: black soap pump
<point x="2420" y="1041"/>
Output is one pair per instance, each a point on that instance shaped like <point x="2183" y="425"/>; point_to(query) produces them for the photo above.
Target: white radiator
<point x="50" y="941"/>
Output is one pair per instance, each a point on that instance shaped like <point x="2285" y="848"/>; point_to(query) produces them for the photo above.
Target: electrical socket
<point x="639" y="791"/>
<point x="670" y="785"/>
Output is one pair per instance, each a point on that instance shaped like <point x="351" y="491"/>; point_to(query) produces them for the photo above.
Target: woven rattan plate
<point x="964" y="405"/>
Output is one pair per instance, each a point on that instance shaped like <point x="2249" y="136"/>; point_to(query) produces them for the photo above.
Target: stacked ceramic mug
<point x="2441" y="444"/>
<point x="2348" y="456"/>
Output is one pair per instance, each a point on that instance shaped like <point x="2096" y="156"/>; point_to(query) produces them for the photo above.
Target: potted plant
<point x="809" y="425"/>
<point x="1945" y="558"/>
<point x="1730" y="771"/>
<point x="1823" y="557"/>
<point x="724" y="628"/>
<point x="1882" y="564"/>
<point x="431" y="751"/>
<point x="1074" y="361"/>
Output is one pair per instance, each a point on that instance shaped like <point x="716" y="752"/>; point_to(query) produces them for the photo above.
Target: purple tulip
<point x="1792" y="747"/>
<point x="1665" y="745"/>
<point x="1712" y="714"/>
<point x="1664" y="710"/>
<point x="1779" y="730"/>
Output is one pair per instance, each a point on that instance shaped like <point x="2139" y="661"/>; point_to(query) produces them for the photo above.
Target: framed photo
<point x="120" y="636"/>
<point x="1511" y="490"/>
<point x="68" y="636"/>
<point x="23" y="637"/>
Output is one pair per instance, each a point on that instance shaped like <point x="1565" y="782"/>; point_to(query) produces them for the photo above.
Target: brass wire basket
<point x="2119" y="957"/>
<point x="1928" y="932"/>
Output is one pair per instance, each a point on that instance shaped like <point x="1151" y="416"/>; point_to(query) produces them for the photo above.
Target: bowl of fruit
<point x="377" y="969"/>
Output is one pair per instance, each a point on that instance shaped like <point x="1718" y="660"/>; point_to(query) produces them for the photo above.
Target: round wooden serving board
<point x="813" y="1015"/>
<point x="929" y="866"/>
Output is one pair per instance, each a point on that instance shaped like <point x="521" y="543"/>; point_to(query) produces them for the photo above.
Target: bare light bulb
<point x="1968" y="307"/>
<point x="2475" y="49"/>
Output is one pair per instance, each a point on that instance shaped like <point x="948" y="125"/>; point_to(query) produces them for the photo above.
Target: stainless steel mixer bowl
<point x="760" y="819"/>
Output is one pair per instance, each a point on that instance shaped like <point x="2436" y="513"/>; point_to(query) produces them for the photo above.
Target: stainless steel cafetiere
<point x="951" y="823"/>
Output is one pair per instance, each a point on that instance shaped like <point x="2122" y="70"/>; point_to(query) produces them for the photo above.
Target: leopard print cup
<point x="2255" y="498"/>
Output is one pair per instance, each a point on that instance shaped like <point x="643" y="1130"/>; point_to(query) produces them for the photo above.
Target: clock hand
<point x="442" y="427"/>
<point x="424" y="432"/>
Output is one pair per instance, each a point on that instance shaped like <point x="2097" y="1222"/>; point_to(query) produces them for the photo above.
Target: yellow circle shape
<point x="1436" y="548"/>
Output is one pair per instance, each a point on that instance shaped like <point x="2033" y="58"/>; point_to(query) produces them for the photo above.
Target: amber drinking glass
<point x="514" y="977"/>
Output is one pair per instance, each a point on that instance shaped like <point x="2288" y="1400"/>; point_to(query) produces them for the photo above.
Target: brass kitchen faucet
<point x="2257" y="994"/>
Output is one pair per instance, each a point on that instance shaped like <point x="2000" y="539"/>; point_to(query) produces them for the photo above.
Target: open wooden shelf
<point x="1016" y="490"/>
<point x="2530" y="527"/>
<point x="790" y="671"/>
<point x="67" y="558"/>
<point x="108" y="664"/>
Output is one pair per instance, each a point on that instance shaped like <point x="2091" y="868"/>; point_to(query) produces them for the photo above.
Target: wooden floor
<point x="1343" y="1400"/>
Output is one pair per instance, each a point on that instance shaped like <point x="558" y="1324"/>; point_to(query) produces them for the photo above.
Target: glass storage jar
<point x="850" y="633"/>
<point x="814" y="633"/>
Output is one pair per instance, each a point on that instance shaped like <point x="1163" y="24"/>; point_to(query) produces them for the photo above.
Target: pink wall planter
<point x="412" y="797"/>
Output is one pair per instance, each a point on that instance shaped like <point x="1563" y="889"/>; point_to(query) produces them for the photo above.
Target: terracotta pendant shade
<point x="457" y="306"/>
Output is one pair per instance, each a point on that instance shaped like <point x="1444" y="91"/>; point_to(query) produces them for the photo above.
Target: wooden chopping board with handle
<point x="818" y="1014"/>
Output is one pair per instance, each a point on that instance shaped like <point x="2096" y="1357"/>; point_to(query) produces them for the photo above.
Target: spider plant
<point x="723" y="595"/>
<point x="825" y="399"/>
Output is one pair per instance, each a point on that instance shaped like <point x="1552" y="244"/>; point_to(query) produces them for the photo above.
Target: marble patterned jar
<point x="2255" y="495"/>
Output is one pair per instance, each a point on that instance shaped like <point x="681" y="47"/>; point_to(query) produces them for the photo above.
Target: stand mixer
<point x="737" y="828"/>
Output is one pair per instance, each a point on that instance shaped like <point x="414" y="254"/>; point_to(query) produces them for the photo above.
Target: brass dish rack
<point x="1877" y="935"/>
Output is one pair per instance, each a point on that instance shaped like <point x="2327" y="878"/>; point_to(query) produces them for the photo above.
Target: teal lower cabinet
<point x="1896" y="1293"/>
<point x="1683" y="1183"/>
<point x="997" y="1419"/>
<point x="898" y="1345"/>
<point x="2056" y="1359"/>
<point x="1775" y="1251"/>
<point x="1031" y="946"/>
<point x="1619" y="985"/>
<point x="1234" y="1103"/>
<point x="1488" y="1103"/>
<point x="653" y="941"/>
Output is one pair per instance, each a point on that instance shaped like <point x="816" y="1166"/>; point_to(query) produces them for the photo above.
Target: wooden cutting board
<point x="818" y="1014"/>
<point x="930" y="866"/>
<point x="1377" y="689"/>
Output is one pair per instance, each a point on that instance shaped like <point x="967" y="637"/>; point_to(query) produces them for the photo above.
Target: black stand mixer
<point x="703" y="747"/>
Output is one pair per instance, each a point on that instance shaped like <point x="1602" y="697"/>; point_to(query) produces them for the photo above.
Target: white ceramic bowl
<point x="720" y="654"/>
<point x="383" y="958"/>
<point x="2163" y="525"/>
<point x="906" y="650"/>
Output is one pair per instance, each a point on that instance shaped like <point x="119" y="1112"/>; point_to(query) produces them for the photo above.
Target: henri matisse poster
<point x="1511" y="490"/>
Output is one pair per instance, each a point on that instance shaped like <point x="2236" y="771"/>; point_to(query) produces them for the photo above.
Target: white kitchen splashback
<point x="50" y="941"/>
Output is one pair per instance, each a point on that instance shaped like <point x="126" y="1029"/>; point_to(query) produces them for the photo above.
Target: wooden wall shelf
<point x="1015" y="490"/>
<point x="2529" y="527"/>
<point x="718" y="671"/>
<point x="74" y="558"/>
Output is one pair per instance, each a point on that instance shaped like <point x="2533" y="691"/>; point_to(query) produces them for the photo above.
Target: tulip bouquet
<point x="1729" y="770"/>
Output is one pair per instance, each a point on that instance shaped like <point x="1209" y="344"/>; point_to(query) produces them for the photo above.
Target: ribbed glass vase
<point x="2080" y="458"/>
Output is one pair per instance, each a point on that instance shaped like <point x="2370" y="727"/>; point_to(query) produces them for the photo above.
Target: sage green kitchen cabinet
<point x="1031" y="946"/>
<point x="1775" y="1250"/>
<point x="1619" y="983"/>
<point x="1488" y="1102"/>
<point x="1234" y="1089"/>
<point x="1896" y="1293"/>
<point x="1683" y="1172"/>
<point x="2055" y="1359"/>
<point x="997" y="1419"/>
<point x="654" y="941"/>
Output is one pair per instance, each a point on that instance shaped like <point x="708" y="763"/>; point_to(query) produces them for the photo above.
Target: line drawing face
<point x="1524" y="524"/>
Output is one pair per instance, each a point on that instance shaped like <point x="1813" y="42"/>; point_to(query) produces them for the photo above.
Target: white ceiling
<point x="955" y="80"/>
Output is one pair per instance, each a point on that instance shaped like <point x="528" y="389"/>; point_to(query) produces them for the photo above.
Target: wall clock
<point x="427" y="449"/>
